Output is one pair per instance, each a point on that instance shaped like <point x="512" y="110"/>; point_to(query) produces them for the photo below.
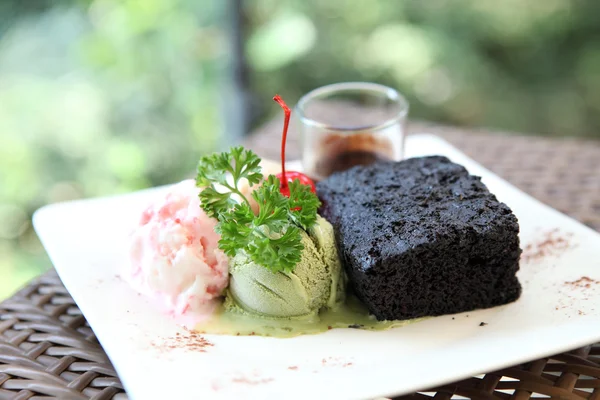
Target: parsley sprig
<point x="213" y="169"/>
<point x="272" y="237"/>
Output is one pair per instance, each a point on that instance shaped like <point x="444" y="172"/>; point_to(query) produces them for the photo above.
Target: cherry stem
<point x="286" y="124"/>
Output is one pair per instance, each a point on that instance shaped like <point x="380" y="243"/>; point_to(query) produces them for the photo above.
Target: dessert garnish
<point x="272" y="236"/>
<point x="289" y="176"/>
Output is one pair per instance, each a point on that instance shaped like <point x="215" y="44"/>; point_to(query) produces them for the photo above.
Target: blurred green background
<point x="106" y="96"/>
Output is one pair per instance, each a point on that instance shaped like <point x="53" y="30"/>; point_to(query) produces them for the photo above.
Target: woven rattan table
<point x="47" y="349"/>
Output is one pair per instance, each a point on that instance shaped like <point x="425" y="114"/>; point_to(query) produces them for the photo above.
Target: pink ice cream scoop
<point x="174" y="254"/>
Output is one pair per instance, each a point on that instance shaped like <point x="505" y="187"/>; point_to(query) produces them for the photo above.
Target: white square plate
<point x="157" y="359"/>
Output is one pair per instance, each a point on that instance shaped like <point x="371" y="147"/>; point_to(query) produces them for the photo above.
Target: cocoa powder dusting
<point x="336" y="362"/>
<point x="251" y="381"/>
<point x="582" y="289"/>
<point x="552" y="244"/>
<point x="584" y="282"/>
<point x="249" y="378"/>
<point x="189" y="340"/>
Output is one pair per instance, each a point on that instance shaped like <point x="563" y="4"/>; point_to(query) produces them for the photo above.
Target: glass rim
<point x="367" y="87"/>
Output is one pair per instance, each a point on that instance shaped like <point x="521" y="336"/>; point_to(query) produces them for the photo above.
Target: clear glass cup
<point x="348" y="124"/>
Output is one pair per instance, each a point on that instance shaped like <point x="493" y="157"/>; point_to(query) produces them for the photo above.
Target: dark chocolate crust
<point x="422" y="237"/>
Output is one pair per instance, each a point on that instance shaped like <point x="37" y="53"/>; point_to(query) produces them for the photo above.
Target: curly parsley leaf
<point x="214" y="170"/>
<point x="272" y="205"/>
<point x="277" y="254"/>
<point x="273" y="236"/>
<point x="214" y="202"/>
<point x="235" y="228"/>
<point x="303" y="205"/>
<point x="268" y="238"/>
<point x="247" y="165"/>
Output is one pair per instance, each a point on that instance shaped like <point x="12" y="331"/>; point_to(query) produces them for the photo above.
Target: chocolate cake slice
<point x="422" y="237"/>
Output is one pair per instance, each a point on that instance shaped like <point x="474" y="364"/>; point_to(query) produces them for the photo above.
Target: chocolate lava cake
<point x="422" y="237"/>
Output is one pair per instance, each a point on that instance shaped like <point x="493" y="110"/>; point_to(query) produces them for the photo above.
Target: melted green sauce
<point x="351" y="314"/>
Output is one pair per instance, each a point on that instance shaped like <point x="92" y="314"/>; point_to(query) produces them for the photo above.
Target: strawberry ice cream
<point x="174" y="254"/>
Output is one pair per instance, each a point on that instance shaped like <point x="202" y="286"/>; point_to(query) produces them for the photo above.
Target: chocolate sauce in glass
<point x="343" y="161"/>
<point x="339" y="152"/>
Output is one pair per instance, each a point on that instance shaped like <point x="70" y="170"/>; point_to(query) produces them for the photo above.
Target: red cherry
<point x="289" y="176"/>
<point x="292" y="176"/>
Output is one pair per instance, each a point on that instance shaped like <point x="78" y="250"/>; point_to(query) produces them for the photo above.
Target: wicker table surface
<point x="47" y="349"/>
